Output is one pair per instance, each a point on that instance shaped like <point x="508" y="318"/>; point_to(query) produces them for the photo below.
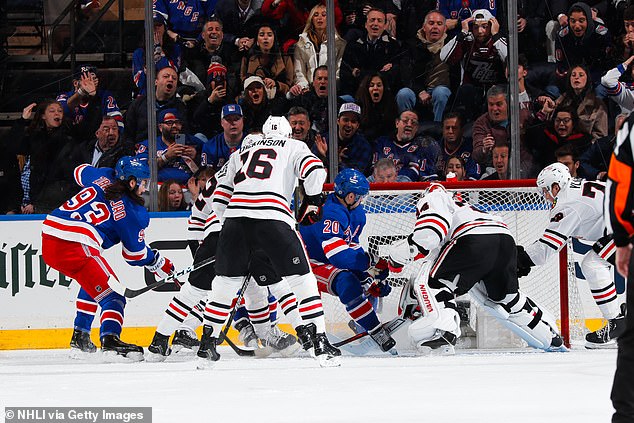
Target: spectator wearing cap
<point x="217" y="150"/>
<point x="481" y="52"/>
<point x="375" y="51"/>
<point x="177" y="153"/>
<point x="257" y="106"/>
<point x="354" y="150"/>
<point x="315" y="100"/>
<point x="414" y="156"/>
<point x="136" y="116"/>
<point x="265" y="59"/>
<point x="582" y="41"/>
<point x="87" y="103"/>
<point x="207" y="105"/>
<point x="213" y="48"/>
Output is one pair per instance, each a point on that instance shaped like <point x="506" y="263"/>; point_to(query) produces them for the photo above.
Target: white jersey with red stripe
<point x="90" y="219"/>
<point x="203" y="220"/>
<point x="577" y="212"/>
<point x="440" y="219"/>
<point x="259" y="179"/>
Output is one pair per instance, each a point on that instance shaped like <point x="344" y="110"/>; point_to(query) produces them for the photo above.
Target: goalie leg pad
<point x="522" y="316"/>
<point x="429" y="327"/>
<point x="310" y="307"/>
<point x="599" y="276"/>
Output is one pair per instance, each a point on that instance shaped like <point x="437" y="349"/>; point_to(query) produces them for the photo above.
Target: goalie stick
<point x="131" y="293"/>
<point x="390" y="327"/>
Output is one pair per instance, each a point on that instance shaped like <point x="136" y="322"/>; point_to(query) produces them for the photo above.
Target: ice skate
<point x="247" y="334"/>
<point x="277" y="340"/>
<point x="185" y="339"/>
<point x="159" y="348"/>
<point x="442" y="343"/>
<point x="80" y="345"/>
<point x="607" y="335"/>
<point x="318" y="345"/>
<point x="381" y="337"/>
<point x="207" y="354"/>
<point x="114" y="349"/>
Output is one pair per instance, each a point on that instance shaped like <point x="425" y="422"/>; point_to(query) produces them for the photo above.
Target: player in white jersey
<point x="466" y="250"/>
<point x="578" y="212"/>
<point x="252" y="199"/>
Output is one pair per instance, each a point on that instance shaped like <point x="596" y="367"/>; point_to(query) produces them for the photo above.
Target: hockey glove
<point x="310" y="211"/>
<point x="524" y="262"/>
<point x="162" y="267"/>
<point x="379" y="267"/>
<point x="379" y="289"/>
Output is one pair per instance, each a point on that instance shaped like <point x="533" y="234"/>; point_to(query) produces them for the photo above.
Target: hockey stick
<point x="223" y="335"/>
<point x="131" y="293"/>
<point x="390" y="327"/>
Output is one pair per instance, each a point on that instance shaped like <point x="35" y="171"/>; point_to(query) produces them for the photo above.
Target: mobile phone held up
<point x="180" y="139"/>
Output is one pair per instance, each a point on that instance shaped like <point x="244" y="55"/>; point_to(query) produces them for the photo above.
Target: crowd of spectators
<point x="421" y="84"/>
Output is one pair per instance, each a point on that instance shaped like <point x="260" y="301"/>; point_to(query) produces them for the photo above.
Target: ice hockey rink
<point x="471" y="386"/>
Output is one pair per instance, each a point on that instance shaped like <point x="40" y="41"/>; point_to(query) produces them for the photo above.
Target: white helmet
<point x="277" y="125"/>
<point x="554" y="173"/>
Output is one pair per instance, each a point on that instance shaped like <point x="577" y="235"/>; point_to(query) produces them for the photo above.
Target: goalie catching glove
<point x="403" y="252"/>
<point x="310" y="211"/>
<point x="162" y="267"/>
<point x="524" y="262"/>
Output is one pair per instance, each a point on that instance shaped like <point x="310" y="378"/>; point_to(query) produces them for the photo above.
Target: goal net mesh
<point x="391" y="216"/>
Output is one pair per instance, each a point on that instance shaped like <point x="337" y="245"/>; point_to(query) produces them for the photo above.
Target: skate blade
<point x="263" y="352"/>
<point x="328" y="361"/>
<point x="291" y="350"/>
<point x="610" y="345"/>
<point x="436" y="352"/>
<point x="204" y="364"/>
<point x="114" y="357"/>
<point x="151" y="357"/>
<point x="183" y="350"/>
<point x="77" y="354"/>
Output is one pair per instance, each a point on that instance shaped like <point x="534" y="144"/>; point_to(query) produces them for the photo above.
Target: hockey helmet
<point x="351" y="181"/>
<point x="277" y="125"/>
<point x="129" y="166"/>
<point x="553" y="173"/>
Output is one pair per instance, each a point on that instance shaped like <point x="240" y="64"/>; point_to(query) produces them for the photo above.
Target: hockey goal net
<point x="390" y="211"/>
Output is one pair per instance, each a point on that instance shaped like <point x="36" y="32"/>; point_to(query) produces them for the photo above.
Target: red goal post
<point x="390" y="213"/>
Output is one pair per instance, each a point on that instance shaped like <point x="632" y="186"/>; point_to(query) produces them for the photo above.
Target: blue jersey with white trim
<point x="335" y="239"/>
<point x="90" y="219"/>
<point x="185" y="17"/>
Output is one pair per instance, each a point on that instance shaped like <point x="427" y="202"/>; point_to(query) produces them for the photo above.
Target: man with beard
<point x="427" y="77"/>
<point x="136" y="116"/>
<point x="491" y="128"/>
<point x="177" y="159"/>
<point x="414" y="157"/>
<point x="315" y="100"/>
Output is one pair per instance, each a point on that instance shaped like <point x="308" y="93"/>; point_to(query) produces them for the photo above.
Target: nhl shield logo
<point x="296" y="260"/>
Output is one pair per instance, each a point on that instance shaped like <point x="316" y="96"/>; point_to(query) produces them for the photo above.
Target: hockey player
<point x="477" y="255"/>
<point x="341" y="266"/>
<point x="578" y="212"/>
<point x="253" y="198"/>
<point x="108" y="210"/>
<point x="205" y="226"/>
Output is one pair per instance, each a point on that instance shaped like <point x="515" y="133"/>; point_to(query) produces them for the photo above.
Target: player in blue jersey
<point x="108" y="210"/>
<point x="341" y="266"/>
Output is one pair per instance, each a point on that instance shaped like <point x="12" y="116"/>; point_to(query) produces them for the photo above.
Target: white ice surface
<point x="483" y="387"/>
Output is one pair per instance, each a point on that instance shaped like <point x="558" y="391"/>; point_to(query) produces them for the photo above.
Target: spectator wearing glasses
<point x="177" y="153"/>
<point x="414" y="156"/>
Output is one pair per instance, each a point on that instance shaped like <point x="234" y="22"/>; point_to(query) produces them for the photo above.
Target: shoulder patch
<point x="601" y="30"/>
<point x="564" y="31"/>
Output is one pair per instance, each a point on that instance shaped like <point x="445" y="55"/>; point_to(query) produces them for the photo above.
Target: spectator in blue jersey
<point x="342" y="267"/>
<point x="87" y="103"/>
<point x="217" y="150"/>
<point x="166" y="54"/>
<point x="136" y="115"/>
<point x="178" y="153"/>
<point x="414" y="156"/>
<point x="454" y="143"/>
<point x="355" y="151"/>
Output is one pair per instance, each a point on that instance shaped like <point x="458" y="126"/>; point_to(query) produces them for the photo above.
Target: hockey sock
<point x="604" y="294"/>
<point x="286" y="300"/>
<point x="112" y="306"/>
<point x="273" y="309"/>
<point x="180" y="308"/>
<point x="220" y="301"/>
<point x="86" y="308"/>
<point x="310" y="308"/>
<point x="257" y="305"/>
<point x="348" y="288"/>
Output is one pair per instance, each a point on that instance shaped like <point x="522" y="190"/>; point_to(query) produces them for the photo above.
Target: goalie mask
<point x="556" y="173"/>
<point x="277" y="126"/>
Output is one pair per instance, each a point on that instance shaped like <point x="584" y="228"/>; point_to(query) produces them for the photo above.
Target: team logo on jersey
<point x="386" y="150"/>
<point x="412" y="148"/>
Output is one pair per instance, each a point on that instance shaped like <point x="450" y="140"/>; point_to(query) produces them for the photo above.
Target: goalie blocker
<point x="476" y="254"/>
